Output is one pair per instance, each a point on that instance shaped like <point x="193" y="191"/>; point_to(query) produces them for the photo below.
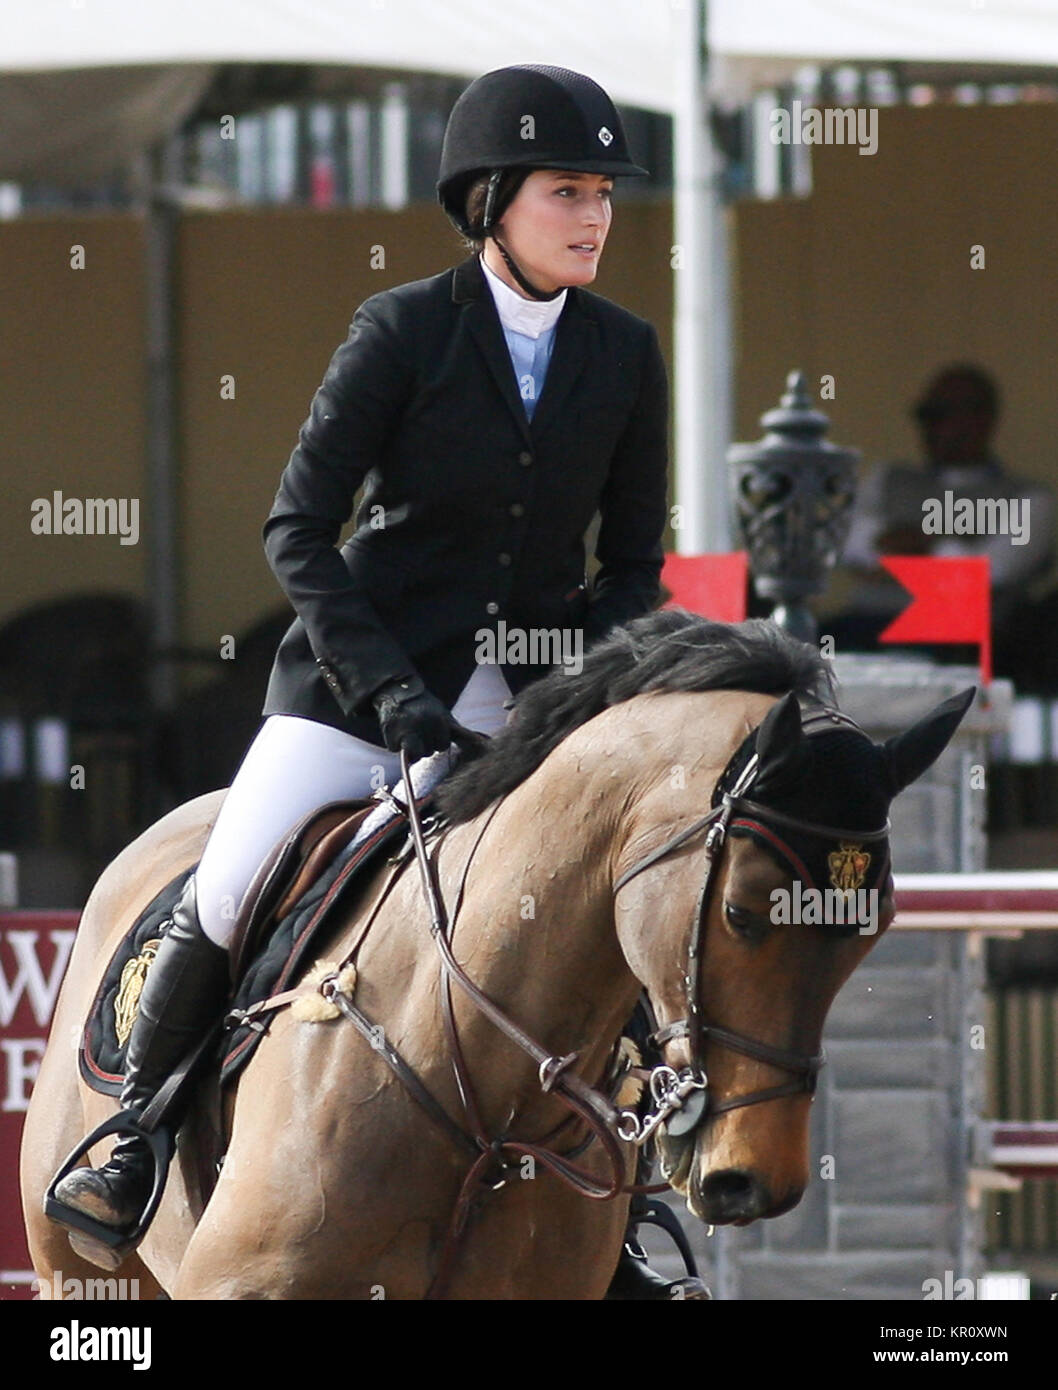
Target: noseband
<point x="682" y="1099"/>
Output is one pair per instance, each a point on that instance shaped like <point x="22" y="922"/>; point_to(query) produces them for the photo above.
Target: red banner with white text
<point x="34" y="952"/>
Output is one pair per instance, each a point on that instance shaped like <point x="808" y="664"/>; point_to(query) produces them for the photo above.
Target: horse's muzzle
<point x="734" y="1196"/>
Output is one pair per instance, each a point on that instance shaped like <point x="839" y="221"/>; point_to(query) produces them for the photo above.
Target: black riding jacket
<point x="471" y="514"/>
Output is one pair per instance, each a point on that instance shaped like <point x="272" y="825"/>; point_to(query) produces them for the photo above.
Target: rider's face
<point x="553" y="212"/>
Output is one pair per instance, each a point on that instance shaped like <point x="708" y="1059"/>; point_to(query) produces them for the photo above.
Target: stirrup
<point x="103" y="1245"/>
<point x="656" y="1213"/>
<point x="633" y="1279"/>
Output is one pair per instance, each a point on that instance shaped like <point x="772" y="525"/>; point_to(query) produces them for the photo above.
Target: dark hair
<point x="982" y="388"/>
<point x="474" y="201"/>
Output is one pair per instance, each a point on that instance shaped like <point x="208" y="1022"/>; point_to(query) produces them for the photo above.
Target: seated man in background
<point x="902" y="509"/>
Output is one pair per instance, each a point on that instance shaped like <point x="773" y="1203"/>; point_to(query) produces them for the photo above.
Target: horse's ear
<point x="779" y="741"/>
<point x="910" y="753"/>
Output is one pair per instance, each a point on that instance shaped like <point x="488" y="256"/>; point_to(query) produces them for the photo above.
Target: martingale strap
<point x="331" y="991"/>
<point x="555" y="1073"/>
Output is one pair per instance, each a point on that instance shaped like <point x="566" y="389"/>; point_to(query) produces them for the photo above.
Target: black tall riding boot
<point x="634" y="1279"/>
<point x="185" y="989"/>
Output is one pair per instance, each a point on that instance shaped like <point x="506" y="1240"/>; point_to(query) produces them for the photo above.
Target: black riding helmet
<point x="522" y="118"/>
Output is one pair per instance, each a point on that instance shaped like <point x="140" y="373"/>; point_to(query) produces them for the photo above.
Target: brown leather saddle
<point x="288" y="901"/>
<point x="290" y="869"/>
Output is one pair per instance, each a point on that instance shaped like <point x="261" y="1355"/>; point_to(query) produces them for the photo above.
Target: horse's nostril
<point x="733" y="1194"/>
<point x="731" y="1184"/>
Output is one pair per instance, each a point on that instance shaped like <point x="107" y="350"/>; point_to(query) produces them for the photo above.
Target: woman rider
<point x="479" y="490"/>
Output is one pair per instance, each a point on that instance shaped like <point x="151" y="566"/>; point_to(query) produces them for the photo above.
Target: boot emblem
<point x="127" y="1001"/>
<point x="848" y="866"/>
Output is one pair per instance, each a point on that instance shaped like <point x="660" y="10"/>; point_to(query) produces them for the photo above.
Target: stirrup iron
<point x="104" y="1245"/>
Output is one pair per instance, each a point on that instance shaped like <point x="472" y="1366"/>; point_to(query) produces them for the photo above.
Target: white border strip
<point x="976" y="921"/>
<point x="1027" y="879"/>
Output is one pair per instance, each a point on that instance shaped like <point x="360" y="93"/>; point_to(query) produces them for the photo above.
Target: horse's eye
<point x="748" y="925"/>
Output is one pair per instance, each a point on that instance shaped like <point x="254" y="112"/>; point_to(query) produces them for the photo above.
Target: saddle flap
<point x="289" y="869"/>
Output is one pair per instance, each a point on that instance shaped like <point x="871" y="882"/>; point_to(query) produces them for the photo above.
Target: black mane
<point x="670" y="649"/>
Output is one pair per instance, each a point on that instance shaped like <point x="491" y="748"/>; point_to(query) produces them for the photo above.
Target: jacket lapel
<point x="568" y="356"/>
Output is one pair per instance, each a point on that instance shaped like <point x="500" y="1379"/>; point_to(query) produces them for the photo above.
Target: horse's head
<point x="744" y="943"/>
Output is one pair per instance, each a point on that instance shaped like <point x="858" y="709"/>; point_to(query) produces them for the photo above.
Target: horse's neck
<point x="539" y="923"/>
<point x="538" y="918"/>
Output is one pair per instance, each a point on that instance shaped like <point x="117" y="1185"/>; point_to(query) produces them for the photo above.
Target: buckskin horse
<point x="628" y="830"/>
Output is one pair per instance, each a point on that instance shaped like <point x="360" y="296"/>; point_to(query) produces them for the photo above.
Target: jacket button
<point x="516" y="509"/>
<point x="492" y="608"/>
<point x="503" y="558"/>
<point x="525" y="458"/>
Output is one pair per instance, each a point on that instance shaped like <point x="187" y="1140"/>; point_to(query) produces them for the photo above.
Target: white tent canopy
<point x="987" y="31"/>
<point x="763" y="42"/>
<point x="87" y="83"/>
<point x="84" y="88"/>
<point x="628" y="41"/>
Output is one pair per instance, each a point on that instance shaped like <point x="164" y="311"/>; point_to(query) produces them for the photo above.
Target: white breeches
<point x="293" y="766"/>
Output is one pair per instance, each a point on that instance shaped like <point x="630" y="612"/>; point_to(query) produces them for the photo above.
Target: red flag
<point x="951" y="601"/>
<point x="712" y="585"/>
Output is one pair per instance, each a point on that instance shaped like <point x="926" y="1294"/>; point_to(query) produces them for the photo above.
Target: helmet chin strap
<point x="490" y="203"/>
<point x="525" y="284"/>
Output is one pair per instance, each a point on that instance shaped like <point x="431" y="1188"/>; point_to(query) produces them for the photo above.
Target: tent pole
<point x="160" y="209"/>
<point x="702" y="306"/>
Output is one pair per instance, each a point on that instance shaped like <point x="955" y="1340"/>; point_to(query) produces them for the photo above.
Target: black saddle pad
<point x="102" y="1052"/>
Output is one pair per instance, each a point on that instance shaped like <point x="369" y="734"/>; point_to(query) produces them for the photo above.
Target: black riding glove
<point x="412" y="718"/>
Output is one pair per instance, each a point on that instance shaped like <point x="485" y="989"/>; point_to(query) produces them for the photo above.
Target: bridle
<point x="682" y="1098"/>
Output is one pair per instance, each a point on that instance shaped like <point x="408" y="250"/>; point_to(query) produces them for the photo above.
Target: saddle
<point x="290" y="869"/>
<point x="291" y="899"/>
